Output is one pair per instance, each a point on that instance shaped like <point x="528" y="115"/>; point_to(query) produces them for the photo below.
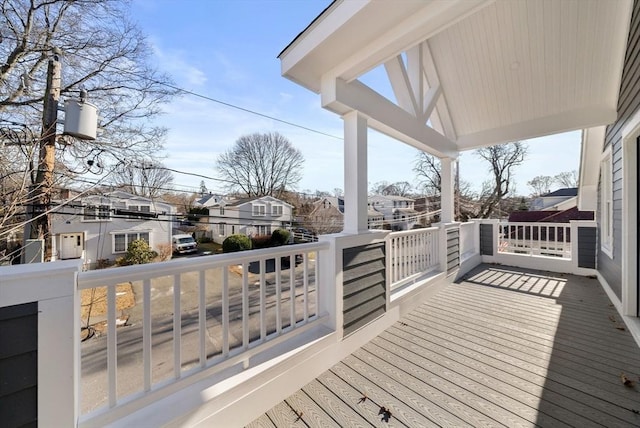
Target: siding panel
<point x="453" y="250"/>
<point x="587" y="245"/>
<point x="19" y="365"/>
<point x="364" y="285"/>
<point x="486" y="239"/>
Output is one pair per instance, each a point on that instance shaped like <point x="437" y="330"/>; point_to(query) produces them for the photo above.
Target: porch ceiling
<point x="501" y="70"/>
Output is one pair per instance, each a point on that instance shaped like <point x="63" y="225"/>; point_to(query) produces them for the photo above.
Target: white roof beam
<point x="402" y="86"/>
<point x="384" y="116"/>
<point x="442" y="118"/>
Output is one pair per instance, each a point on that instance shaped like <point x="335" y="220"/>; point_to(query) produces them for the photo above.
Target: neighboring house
<point x="398" y="211"/>
<point x="209" y="200"/>
<point x="328" y="216"/>
<point x="250" y="216"/>
<point x="560" y="200"/>
<point x="100" y="227"/>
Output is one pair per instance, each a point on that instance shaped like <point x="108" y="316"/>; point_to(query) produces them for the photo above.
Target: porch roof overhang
<point x="489" y="71"/>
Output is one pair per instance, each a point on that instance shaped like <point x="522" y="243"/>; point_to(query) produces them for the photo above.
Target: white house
<point x="249" y="216"/>
<point x="398" y="211"/>
<point x="100" y="227"/>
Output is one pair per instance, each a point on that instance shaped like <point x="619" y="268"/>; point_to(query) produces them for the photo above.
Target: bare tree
<point x="567" y="178"/>
<point x="183" y="201"/>
<point x="540" y="184"/>
<point x="102" y="52"/>
<point x="502" y="159"/>
<point x="146" y="179"/>
<point x="261" y="164"/>
<point x="399" y="188"/>
<point x="427" y="169"/>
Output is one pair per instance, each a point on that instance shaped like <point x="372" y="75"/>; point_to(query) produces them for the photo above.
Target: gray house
<point x="248" y="216"/>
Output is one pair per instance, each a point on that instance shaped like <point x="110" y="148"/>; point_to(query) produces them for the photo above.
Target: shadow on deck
<point x="502" y="347"/>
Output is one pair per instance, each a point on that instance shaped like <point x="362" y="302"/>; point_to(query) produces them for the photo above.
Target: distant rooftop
<point x="567" y="191"/>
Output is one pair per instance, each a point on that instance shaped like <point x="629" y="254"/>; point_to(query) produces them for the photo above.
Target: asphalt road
<point x="129" y="349"/>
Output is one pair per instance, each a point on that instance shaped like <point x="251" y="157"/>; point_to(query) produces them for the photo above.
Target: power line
<point x="206" y="97"/>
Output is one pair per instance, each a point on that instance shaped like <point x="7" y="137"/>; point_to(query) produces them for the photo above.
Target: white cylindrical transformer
<point x="81" y="119"/>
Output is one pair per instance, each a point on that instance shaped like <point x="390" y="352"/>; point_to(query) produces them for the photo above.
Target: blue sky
<point x="227" y="50"/>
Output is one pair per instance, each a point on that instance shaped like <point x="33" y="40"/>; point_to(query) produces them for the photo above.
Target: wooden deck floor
<point x="504" y="347"/>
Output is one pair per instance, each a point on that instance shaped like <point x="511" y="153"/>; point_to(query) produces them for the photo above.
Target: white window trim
<point x="606" y="203"/>
<point x="126" y="243"/>
<point x="258" y="214"/>
<point x="275" y="209"/>
<point x="137" y="208"/>
<point x="98" y="218"/>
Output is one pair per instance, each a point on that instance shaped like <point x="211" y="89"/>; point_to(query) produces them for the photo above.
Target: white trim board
<point x="630" y="137"/>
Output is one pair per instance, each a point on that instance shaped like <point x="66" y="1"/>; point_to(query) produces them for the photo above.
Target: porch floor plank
<point x="502" y="347"/>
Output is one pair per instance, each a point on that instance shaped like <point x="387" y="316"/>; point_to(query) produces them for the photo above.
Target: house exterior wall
<point x="391" y="208"/>
<point x="241" y="219"/>
<point x="610" y="267"/>
<point x="98" y="235"/>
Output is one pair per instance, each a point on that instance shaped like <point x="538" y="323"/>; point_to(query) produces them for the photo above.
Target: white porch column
<point x="446" y="190"/>
<point x="355" y="172"/>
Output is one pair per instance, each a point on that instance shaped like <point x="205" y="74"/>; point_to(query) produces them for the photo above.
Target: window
<point x="122" y="240"/>
<point x="221" y="210"/>
<point x="259" y="210"/>
<point x="276" y="210"/>
<point x="606" y="204"/>
<point x="221" y="228"/>
<point x="141" y="208"/>
<point x="263" y="230"/>
<point x="96" y="212"/>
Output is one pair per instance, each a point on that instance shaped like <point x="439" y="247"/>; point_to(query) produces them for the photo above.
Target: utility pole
<point x="39" y="220"/>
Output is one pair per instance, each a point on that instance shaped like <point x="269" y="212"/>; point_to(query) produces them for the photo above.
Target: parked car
<point x="184" y="244"/>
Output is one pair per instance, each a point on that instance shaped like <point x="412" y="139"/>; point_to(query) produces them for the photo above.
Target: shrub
<point x="138" y="253"/>
<point x="280" y="237"/>
<point x="165" y="252"/>
<point x="261" y="241"/>
<point x="236" y="243"/>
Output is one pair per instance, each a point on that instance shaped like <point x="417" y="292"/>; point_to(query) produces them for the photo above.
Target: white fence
<point x="535" y="239"/>
<point x="189" y="315"/>
<point x="411" y="254"/>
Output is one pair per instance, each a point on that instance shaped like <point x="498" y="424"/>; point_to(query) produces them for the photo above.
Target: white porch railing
<point x="536" y="239"/>
<point x="468" y="240"/>
<point x="411" y="254"/>
<point x="193" y="314"/>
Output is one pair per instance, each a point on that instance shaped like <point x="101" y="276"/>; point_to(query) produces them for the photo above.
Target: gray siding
<point x="628" y="104"/>
<point x="19" y="365"/>
<point x="486" y="239"/>
<point x="587" y="247"/>
<point x="364" y="285"/>
<point x="453" y="249"/>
